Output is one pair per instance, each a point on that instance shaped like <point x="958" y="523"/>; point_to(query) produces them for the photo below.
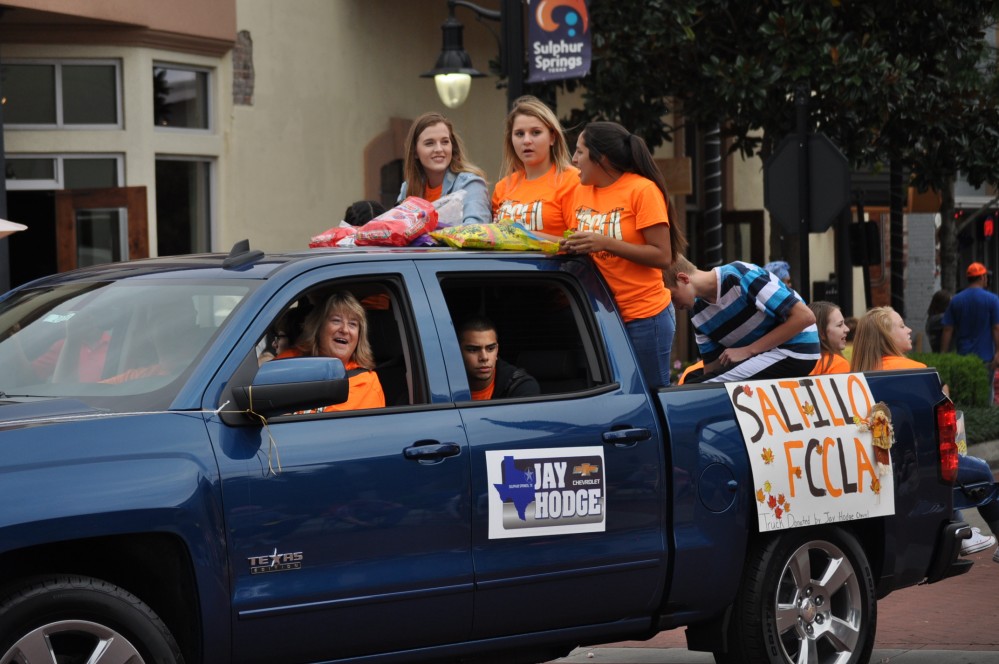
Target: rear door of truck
<point x="567" y="487"/>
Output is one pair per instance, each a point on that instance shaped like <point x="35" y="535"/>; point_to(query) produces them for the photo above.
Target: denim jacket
<point x="478" y="208"/>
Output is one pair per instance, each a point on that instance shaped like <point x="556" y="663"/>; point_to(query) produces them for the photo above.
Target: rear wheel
<point x="76" y="620"/>
<point x="807" y="596"/>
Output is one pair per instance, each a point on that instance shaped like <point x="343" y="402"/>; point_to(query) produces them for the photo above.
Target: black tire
<point x="79" y="616"/>
<point x="806" y="595"/>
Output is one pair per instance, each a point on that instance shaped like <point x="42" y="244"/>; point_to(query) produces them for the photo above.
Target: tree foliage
<point x="914" y="82"/>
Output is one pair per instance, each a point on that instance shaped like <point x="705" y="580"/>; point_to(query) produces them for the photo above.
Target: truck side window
<point x="540" y="325"/>
<point x="390" y="333"/>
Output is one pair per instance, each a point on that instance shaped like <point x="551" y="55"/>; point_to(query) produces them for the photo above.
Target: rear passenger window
<point x="542" y="325"/>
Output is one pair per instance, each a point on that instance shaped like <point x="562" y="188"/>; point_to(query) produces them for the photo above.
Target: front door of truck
<point x="567" y="488"/>
<point x="344" y="540"/>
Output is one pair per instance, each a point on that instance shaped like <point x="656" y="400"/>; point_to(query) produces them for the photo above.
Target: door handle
<point x="626" y="437"/>
<point x="431" y="451"/>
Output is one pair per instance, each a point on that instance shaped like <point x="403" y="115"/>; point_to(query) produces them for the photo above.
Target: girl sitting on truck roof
<point x="539" y="178"/>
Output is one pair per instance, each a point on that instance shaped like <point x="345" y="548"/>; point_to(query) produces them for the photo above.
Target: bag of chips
<point x="400" y="225"/>
<point x="338" y="236"/>
<point x="504" y="237"/>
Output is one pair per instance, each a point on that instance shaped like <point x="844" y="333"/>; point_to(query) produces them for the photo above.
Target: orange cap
<point x="976" y="270"/>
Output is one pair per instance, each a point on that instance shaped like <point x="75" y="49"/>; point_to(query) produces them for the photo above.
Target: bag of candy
<point x="338" y="236"/>
<point x="400" y="225"/>
<point x="503" y="237"/>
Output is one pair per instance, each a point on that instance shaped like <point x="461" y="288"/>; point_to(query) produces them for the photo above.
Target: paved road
<point x="955" y="621"/>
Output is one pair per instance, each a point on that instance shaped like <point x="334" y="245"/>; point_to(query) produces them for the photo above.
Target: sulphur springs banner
<point x="818" y="447"/>
<point x="558" y="40"/>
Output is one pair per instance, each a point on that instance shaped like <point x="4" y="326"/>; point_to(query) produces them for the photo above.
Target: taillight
<point x="947" y="440"/>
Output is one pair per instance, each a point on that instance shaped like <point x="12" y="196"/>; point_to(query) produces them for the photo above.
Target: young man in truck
<point x="489" y="377"/>
<point x="749" y="324"/>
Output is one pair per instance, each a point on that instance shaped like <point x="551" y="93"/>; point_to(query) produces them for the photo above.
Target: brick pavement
<point x="960" y="613"/>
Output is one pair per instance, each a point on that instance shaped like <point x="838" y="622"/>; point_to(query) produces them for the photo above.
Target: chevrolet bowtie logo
<point x="585" y="469"/>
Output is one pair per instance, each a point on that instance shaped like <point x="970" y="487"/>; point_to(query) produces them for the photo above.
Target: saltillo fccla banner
<point x="558" y="40"/>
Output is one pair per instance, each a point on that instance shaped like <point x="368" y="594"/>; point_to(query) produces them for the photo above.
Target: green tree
<point x="915" y="83"/>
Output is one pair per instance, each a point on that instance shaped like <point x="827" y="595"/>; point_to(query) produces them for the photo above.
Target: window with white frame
<point x="183" y="205"/>
<point x="62" y="94"/>
<point x="181" y="97"/>
<point x="54" y="171"/>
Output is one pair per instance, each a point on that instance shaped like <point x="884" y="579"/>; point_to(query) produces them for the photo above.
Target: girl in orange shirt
<point x="881" y="342"/>
<point x="622" y="216"/>
<point x="539" y="178"/>
<point x="832" y="338"/>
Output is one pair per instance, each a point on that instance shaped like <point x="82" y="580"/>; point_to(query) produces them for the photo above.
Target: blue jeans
<point x="652" y="339"/>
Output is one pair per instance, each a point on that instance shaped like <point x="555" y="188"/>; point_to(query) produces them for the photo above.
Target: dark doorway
<point x="32" y="251"/>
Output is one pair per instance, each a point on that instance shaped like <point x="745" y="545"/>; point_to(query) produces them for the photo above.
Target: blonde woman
<point x="436" y="166"/>
<point x="339" y="328"/>
<point x="538" y="176"/>
<point x="881" y="342"/>
<point x="882" y="339"/>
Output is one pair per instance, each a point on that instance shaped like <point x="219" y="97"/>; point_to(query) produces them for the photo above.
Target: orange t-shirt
<point x="486" y="393"/>
<point x="539" y="204"/>
<point x="365" y="388"/>
<point x="621" y="211"/>
<point x="830" y="364"/>
<point x="898" y="362"/>
<point x="433" y="193"/>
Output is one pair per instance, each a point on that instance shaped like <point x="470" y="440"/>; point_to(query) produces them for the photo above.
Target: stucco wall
<point x="329" y="76"/>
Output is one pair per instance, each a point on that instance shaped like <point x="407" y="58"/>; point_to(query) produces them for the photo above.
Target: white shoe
<point x="978" y="542"/>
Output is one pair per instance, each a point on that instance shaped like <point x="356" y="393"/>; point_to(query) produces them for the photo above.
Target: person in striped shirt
<point x="749" y="324"/>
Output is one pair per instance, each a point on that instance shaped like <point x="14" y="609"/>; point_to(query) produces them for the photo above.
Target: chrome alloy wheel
<point x="72" y="642"/>
<point x="819" y="605"/>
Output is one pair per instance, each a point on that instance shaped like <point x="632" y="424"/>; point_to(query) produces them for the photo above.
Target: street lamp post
<point x="453" y="72"/>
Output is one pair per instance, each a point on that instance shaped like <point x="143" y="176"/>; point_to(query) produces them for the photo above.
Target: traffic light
<point x="988" y="227"/>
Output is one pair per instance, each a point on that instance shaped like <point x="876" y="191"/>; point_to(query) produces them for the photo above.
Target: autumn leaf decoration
<point x="777" y="504"/>
<point x="768" y="456"/>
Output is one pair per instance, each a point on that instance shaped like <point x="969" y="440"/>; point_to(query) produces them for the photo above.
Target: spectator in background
<point x="781" y="270"/>
<point x="934" y="318"/>
<point x="972" y="318"/>
<point x="361" y="212"/>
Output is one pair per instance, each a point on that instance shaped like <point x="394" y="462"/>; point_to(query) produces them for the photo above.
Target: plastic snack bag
<point x="400" y="225"/>
<point x="450" y="208"/>
<point x="338" y="236"/>
<point x="500" y="236"/>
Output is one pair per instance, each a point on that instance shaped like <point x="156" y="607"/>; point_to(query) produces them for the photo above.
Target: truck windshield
<point x="108" y="339"/>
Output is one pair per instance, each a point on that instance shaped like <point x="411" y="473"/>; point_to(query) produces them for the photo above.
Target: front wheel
<point x="76" y="620"/>
<point x="807" y="596"/>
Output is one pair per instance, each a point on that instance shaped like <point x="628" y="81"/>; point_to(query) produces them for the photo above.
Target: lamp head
<point x="453" y="72"/>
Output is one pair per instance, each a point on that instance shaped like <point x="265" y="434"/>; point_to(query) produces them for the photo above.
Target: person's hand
<point x="732" y="356"/>
<point x="584" y="242"/>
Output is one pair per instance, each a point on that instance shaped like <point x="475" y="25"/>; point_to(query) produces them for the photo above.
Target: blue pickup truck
<point x="165" y="499"/>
